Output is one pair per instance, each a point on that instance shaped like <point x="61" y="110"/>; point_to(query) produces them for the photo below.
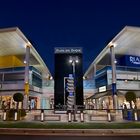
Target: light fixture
<point x="70" y="60"/>
<point x="76" y="61"/>
<point x="125" y="80"/>
<point x="73" y="59"/>
<point x="25" y="62"/>
<point x="51" y="78"/>
<point x="115" y="61"/>
<point x="112" y="44"/>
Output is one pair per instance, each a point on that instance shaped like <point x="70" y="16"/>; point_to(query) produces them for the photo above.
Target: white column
<point x="114" y="90"/>
<point x="94" y="76"/>
<point x="26" y="77"/>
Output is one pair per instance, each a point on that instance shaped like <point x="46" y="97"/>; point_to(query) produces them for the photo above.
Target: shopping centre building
<point x="22" y="70"/>
<point x="116" y="70"/>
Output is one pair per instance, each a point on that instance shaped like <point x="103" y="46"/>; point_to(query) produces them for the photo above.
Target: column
<point x="26" y="78"/>
<point x="94" y="76"/>
<point x="114" y="90"/>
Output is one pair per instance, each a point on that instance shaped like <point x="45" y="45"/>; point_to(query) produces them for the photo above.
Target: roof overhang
<point x="127" y="42"/>
<point x="14" y="42"/>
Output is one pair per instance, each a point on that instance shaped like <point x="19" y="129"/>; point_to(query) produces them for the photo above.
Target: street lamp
<point x="73" y="61"/>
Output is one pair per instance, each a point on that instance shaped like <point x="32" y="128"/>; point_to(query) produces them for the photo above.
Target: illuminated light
<point x="51" y="78"/>
<point x="111" y="44"/>
<point x="115" y="61"/>
<point x="29" y="44"/>
<point x="70" y="61"/>
<point x="76" y="61"/>
<point x="25" y="62"/>
<point x="73" y="59"/>
<point x="125" y="80"/>
<point x="84" y="77"/>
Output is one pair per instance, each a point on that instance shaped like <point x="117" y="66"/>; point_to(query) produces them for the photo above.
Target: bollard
<point x="15" y="115"/>
<point x="135" y="116"/>
<point x="69" y="117"/>
<point x="4" y="115"/>
<point x="42" y="115"/>
<point x="82" y="116"/>
<point x="108" y="115"/>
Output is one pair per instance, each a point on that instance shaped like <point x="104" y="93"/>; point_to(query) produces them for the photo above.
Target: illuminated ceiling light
<point x="115" y="61"/>
<point x="29" y="44"/>
<point x="25" y="62"/>
<point x="51" y="78"/>
<point x="84" y="77"/>
<point x="112" y="44"/>
<point x="125" y="80"/>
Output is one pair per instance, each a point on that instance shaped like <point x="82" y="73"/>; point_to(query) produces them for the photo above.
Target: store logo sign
<point x="102" y="89"/>
<point x="134" y="60"/>
<point x="66" y="50"/>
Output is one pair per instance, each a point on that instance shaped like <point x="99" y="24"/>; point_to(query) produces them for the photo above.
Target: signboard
<point x="102" y="89"/>
<point x="134" y="60"/>
<point x="67" y="50"/>
<point x="131" y="60"/>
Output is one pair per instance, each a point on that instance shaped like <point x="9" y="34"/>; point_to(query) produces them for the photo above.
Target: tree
<point x="18" y="97"/>
<point x="130" y="96"/>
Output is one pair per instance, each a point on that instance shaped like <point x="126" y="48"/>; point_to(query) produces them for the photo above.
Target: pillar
<point x="114" y="90"/>
<point x="26" y="78"/>
<point x="94" y="77"/>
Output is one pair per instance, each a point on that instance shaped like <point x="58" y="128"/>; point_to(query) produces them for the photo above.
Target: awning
<point x="106" y="93"/>
<point x="127" y="43"/>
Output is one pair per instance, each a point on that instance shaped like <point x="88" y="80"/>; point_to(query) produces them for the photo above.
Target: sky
<point x="90" y="24"/>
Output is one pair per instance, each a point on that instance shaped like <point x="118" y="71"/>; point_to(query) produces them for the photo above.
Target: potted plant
<point x="130" y="96"/>
<point x="18" y="97"/>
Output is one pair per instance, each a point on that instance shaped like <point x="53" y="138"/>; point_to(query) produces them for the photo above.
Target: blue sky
<point x="89" y="24"/>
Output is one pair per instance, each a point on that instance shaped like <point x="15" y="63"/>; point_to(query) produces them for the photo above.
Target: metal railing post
<point x="135" y="115"/>
<point x="42" y="115"/>
<point x="4" y="115"/>
<point x="69" y="116"/>
<point x="82" y="116"/>
<point x="15" y="115"/>
<point x="108" y="115"/>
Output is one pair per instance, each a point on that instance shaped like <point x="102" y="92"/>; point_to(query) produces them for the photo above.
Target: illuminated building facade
<point x="118" y="64"/>
<point x="21" y="70"/>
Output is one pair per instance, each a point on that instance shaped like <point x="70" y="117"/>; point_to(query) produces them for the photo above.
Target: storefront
<point x="7" y="102"/>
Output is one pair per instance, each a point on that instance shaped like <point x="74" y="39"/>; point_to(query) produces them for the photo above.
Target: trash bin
<point x="129" y="115"/>
<point x="138" y="113"/>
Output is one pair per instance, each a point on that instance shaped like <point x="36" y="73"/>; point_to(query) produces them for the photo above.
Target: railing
<point x="82" y="115"/>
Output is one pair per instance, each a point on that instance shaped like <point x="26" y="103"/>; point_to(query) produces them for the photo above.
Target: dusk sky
<point x="89" y="24"/>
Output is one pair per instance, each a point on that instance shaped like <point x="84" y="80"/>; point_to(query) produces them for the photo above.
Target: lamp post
<point x="73" y="61"/>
